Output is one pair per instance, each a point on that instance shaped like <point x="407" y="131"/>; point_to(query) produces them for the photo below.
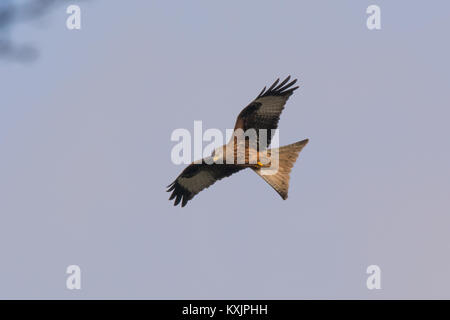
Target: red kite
<point x="262" y="113"/>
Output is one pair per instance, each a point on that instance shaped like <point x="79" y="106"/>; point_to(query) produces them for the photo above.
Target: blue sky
<point x="85" y="144"/>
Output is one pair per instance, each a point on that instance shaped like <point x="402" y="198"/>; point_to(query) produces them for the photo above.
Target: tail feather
<point x="287" y="155"/>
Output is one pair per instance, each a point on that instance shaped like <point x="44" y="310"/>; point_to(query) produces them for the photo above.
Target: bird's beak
<point x="215" y="158"/>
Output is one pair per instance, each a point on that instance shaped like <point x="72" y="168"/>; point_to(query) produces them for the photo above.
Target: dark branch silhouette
<point x="13" y="14"/>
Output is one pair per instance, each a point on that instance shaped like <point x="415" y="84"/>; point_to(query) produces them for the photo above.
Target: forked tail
<point x="279" y="179"/>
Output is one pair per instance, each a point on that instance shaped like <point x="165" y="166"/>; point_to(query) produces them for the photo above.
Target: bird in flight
<point x="261" y="115"/>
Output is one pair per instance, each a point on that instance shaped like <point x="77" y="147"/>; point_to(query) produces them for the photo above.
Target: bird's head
<point x="217" y="155"/>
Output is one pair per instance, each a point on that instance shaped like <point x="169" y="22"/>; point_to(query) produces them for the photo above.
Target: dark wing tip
<point x="170" y="187"/>
<point x="262" y="92"/>
<point x="283" y="83"/>
<point x="282" y="89"/>
<point x="185" y="200"/>
<point x="178" y="199"/>
<point x="274" y="84"/>
<point x="179" y="193"/>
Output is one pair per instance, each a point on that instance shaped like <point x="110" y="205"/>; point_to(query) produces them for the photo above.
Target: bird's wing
<point x="197" y="177"/>
<point x="264" y="112"/>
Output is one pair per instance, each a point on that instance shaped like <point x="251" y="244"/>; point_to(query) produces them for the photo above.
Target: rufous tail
<point x="278" y="178"/>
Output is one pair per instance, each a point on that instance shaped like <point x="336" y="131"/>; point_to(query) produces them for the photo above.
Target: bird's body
<point x="247" y="148"/>
<point x="240" y="152"/>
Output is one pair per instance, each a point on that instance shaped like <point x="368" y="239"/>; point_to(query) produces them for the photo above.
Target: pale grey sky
<point x="85" y="151"/>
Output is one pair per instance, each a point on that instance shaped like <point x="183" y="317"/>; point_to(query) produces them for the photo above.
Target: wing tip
<point x="280" y="89"/>
<point x="179" y="193"/>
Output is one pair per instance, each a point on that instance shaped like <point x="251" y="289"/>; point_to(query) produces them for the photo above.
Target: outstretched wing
<point x="197" y="177"/>
<point x="264" y="112"/>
